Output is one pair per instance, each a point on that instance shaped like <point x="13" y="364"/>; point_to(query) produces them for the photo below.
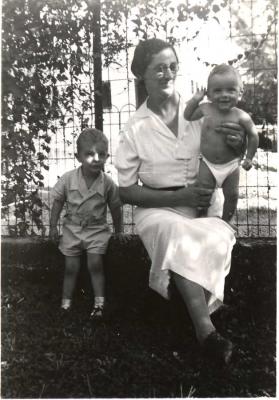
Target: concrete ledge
<point x="31" y="251"/>
<point x="252" y="278"/>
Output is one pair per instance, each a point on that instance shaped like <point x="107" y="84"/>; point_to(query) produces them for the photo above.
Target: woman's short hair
<point x="91" y="136"/>
<point x="144" y="52"/>
<point x="223" y="69"/>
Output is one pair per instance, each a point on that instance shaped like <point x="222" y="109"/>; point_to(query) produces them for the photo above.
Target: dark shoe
<point x="217" y="348"/>
<point x="223" y="313"/>
<point x="97" y="314"/>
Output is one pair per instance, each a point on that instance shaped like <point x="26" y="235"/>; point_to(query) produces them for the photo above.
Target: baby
<point x="219" y="165"/>
<point x="86" y="191"/>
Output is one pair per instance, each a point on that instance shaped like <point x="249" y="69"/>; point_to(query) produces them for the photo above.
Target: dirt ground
<point x="146" y="345"/>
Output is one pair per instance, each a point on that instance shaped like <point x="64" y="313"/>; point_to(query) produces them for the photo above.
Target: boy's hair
<point x="223" y="69"/>
<point x="91" y="136"/>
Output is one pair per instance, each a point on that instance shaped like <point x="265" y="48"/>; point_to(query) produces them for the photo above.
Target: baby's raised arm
<point x="193" y="110"/>
<point x="252" y="142"/>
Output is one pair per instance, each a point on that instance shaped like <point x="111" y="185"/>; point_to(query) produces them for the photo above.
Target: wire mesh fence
<point x="255" y="216"/>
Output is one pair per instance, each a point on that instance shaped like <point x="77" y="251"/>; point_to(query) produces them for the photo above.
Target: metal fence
<point x="256" y="213"/>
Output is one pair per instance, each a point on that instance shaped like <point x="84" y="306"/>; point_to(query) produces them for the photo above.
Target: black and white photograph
<point x="139" y="164"/>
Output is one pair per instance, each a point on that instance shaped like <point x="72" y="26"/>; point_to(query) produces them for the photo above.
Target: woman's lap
<point x="198" y="249"/>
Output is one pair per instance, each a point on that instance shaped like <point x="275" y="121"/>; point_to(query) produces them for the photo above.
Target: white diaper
<point x="222" y="171"/>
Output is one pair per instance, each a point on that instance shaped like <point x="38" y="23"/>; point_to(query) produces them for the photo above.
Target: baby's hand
<point x="53" y="234"/>
<point x="247" y="164"/>
<point x="199" y="95"/>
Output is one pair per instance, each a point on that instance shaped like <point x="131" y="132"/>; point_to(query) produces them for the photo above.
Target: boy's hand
<point x="53" y="234"/>
<point x="247" y="164"/>
<point x="199" y="95"/>
<point x="122" y="237"/>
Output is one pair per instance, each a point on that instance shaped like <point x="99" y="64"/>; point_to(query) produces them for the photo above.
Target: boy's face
<point x="224" y="91"/>
<point x="92" y="156"/>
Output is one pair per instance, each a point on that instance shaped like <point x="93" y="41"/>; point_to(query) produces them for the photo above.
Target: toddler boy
<point x="87" y="191"/>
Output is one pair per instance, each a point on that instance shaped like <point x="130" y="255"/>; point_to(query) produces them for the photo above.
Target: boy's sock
<point x="99" y="302"/>
<point x="66" y="304"/>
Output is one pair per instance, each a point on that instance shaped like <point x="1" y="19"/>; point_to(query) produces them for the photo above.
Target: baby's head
<point x="224" y="86"/>
<point x="92" y="149"/>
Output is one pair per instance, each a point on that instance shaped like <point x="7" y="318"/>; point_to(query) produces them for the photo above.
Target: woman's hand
<point x="193" y="196"/>
<point x="235" y="135"/>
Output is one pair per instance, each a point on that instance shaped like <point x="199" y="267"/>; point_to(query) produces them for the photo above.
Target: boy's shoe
<point x="97" y="314"/>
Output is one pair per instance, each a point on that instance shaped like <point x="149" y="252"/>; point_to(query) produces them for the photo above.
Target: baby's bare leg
<point x="231" y="191"/>
<point x="207" y="181"/>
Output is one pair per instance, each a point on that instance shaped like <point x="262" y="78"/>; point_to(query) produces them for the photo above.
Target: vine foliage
<point x="46" y="53"/>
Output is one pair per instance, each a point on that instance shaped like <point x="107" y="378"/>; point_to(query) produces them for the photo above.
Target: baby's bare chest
<point x="214" y="121"/>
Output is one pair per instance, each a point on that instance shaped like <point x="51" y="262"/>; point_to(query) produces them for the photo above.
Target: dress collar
<point x="145" y="112"/>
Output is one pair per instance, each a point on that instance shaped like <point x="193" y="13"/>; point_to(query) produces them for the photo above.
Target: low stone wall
<point x="252" y="279"/>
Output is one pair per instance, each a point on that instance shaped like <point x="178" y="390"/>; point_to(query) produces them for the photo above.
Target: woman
<point x="161" y="149"/>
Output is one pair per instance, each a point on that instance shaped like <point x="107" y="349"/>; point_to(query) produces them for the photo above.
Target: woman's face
<point x="159" y="77"/>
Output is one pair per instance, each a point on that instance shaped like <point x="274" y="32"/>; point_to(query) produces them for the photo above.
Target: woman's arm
<point x="191" y="196"/>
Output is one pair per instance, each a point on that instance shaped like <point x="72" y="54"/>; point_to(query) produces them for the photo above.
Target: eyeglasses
<point x="162" y="69"/>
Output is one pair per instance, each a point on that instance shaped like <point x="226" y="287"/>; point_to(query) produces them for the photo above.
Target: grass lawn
<point x="145" y="347"/>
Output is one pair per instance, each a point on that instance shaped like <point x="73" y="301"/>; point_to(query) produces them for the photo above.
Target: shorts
<point x="222" y="171"/>
<point x="75" y="239"/>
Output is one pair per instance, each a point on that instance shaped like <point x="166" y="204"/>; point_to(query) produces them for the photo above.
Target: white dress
<point x="198" y="249"/>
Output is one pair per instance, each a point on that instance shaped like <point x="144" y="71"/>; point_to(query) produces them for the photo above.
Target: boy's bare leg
<point x="72" y="266"/>
<point x="205" y="180"/>
<point x="96" y="271"/>
<point x="231" y="192"/>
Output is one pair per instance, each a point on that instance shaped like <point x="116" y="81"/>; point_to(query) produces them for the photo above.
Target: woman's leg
<point x="194" y="298"/>
<point x="214" y="345"/>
